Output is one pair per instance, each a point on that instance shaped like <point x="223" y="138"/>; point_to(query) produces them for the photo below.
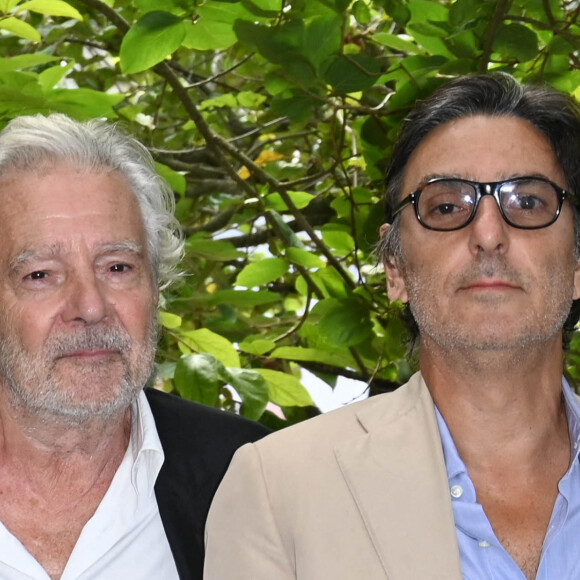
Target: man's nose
<point x="488" y="230"/>
<point x="85" y="300"/>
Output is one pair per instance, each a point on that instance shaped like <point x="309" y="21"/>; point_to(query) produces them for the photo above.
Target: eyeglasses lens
<point x="446" y="205"/>
<point x="529" y="203"/>
<point x="449" y="204"/>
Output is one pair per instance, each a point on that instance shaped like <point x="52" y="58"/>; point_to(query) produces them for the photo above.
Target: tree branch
<point x="501" y="8"/>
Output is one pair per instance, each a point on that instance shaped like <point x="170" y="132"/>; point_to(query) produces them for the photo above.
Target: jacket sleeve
<point x="243" y="540"/>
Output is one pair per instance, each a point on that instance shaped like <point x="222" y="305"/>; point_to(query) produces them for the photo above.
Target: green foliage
<point x="272" y="121"/>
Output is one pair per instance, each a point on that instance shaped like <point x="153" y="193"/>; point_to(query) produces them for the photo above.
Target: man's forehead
<point x="483" y="148"/>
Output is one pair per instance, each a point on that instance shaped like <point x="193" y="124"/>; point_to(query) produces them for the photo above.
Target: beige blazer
<point x="359" y="493"/>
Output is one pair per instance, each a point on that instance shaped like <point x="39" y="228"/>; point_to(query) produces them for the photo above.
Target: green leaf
<point x="273" y="6"/>
<point x="518" y="41"/>
<point x="169" y="320"/>
<point x="213" y="29"/>
<point x="250" y="100"/>
<point x="176" y="180"/>
<point x="429" y="14"/>
<point x="207" y="34"/>
<point x="304" y="258"/>
<point x="206" y="341"/>
<point x="437" y="30"/>
<point x="51" y="8"/>
<point x="258" y="346"/>
<point x="227" y="100"/>
<point x="330" y="282"/>
<point x="84" y="103"/>
<point x="20" y="28"/>
<point x="253" y="390"/>
<point x="396" y="42"/>
<point x="279" y="45"/>
<point x="152" y="39"/>
<point x="322" y="38"/>
<point x="300" y="199"/>
<point x="198" y="377"/>
<point x="244" y="298"/>
<point x="361" y="12"/>
<point x="350" y="74"/>
<point x="398" y="11"/>
<point x="339" y="241"/>
<point x="7" y="5"/>
<point x="50" y="77"/>
<point x="216" y="250"/>
<point x="329" y="357"/>
<point x="286" y="390"/>
<point x="24" y="61"/>
<point x="463" y="12"/>
<point x="346" y="324"/>
<point x="262" y="272"/>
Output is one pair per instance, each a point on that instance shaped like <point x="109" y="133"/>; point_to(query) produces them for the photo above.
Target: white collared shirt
<point x="125" y="539"/>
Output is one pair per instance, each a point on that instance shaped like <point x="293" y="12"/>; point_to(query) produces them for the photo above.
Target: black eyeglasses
<point x="527" y="203"/>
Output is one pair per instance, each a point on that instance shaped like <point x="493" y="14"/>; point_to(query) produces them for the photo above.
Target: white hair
<point x="29" y="143"/>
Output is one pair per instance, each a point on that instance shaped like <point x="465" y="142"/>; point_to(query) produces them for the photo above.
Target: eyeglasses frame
<point x="481" y="189"/>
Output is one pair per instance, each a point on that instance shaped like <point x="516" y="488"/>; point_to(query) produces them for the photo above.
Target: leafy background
<point x="272" y="120"/>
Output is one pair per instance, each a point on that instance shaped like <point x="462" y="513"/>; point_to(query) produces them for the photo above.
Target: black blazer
<point x="198" y="443"/>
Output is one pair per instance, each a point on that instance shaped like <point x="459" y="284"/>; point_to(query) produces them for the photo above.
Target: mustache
<point x="490" y="267"/>
<point x="88" y="338"/>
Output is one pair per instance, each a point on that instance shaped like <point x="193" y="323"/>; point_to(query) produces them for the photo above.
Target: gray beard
<point x="34" y="387"/>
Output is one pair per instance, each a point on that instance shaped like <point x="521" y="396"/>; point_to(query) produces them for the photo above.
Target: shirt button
<point x="456" y="491"/>
<point x="484" y="544"/>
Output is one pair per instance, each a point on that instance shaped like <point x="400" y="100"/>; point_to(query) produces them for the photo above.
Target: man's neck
<point x="507" y="417"/>
<point x="53" y="451"/>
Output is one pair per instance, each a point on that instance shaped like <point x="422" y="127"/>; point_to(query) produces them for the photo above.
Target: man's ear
<point x="396" y="288"/>
<point x="577" y="281"/>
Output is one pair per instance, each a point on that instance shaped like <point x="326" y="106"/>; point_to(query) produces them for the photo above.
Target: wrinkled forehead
<point x="482" y="148"/>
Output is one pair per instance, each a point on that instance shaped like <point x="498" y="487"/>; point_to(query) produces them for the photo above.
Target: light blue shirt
<point x="482" y="555"/>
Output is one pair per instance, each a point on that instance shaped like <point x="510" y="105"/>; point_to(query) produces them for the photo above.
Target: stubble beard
<point x="532" y="329"/>
<point x="36" y="383"/>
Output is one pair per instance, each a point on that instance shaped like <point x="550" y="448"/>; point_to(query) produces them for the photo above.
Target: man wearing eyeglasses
<point x="471" y="469"/>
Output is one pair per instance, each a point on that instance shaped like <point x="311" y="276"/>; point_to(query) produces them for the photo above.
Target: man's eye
<point x="529" y="202"/>
<point x="38" y="275"/>
<point x="445" y="208"/>
<point x="120" y="268"/>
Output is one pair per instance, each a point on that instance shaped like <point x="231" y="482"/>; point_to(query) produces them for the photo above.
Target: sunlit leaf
<point x="51" y="8"/>
<point x="20" y="28"/>
<point x="262" y="272"/>
<point x="24" y="61"/>
<point x="222" y="101"/>
<point x="219" y="250"/>
<point x="325" y="356"/>
<point x="304" y="258"/>
<point x="52" y="76"/>
<point x="258" y="347"/>
<point x="152" y="39"/>
<point x="169" y="320"/>
<point x="176" y="180"/>
<point x="286" y="390"/>
<point x="204" y="340"/>
<point x="299" y="198"/>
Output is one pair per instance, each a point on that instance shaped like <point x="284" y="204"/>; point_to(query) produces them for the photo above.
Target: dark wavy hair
<point x="555" y="114"/>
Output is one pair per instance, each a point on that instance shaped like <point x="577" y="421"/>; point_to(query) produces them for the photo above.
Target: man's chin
<point x="76" y="411"/>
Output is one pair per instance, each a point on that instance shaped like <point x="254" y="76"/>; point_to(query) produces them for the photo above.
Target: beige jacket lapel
<point x="396" y="474"/>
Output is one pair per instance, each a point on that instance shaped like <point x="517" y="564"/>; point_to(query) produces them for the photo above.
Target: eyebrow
<point x="431" y="176"/>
